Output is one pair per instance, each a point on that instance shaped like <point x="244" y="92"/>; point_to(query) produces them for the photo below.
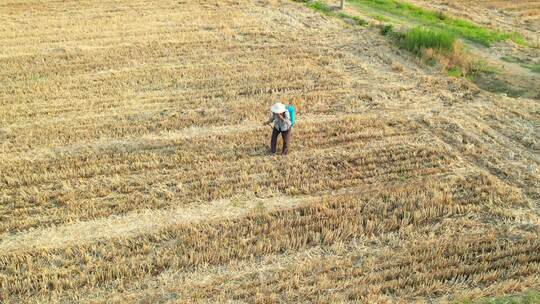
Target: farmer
<point x="282" y="124"/>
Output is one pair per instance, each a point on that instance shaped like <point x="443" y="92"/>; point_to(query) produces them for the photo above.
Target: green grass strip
<point x="437" y="20"/>
<point x="536" y="68"/>
<point x="327" y="10"/>
<point x="320" y="6"/>
<point x="417" y="39"/>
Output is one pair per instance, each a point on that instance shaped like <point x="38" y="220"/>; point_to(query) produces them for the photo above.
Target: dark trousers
<point x="286" y="135"/>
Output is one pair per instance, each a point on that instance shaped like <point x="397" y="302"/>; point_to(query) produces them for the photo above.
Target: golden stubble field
<point x="134" y="169"/>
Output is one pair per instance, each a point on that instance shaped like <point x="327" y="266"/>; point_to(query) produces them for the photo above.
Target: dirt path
<point x="510" y="78"/>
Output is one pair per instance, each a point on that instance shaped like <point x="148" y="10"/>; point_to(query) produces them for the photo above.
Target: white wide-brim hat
<point x="278" y="108"/>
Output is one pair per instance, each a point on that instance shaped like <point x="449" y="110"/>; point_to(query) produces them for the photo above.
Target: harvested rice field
<point x="134" y="166"/>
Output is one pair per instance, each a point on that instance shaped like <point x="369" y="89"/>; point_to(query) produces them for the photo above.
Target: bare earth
<point x="134" y="167"/>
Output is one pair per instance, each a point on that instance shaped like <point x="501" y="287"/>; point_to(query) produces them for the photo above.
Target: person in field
<point x="282" y="117"/>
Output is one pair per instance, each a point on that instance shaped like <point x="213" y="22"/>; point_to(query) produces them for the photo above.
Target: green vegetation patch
<point x="418" y="39"/>
<point x="387" y="29"/>
<point x="320" y="6"/>
<point x="455" y="72"/>
<point x="530" y="297"/>
<point x="327" y="10"/>
<point x="355" y="19"/>
<point x="437" y="20"/>
<point x="381" y="18"/>
<point x="511" y="59"/>
<point x="535" y="68"/>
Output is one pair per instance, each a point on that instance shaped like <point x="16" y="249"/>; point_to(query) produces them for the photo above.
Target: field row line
<point x="112" y="144"/>
<point x="145" y="220"/>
